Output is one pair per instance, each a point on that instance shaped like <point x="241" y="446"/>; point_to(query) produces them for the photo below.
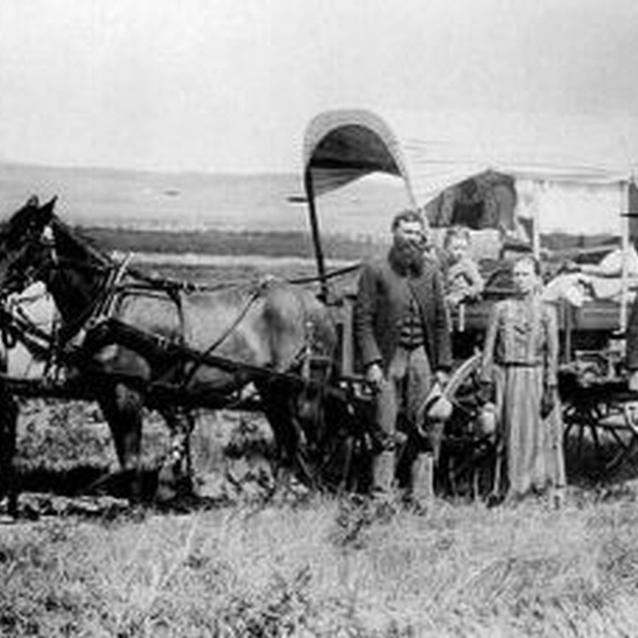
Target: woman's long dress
<point x="520" y="358"/>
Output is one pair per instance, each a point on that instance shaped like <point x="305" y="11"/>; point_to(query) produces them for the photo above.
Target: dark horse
<point x="274" y="327"/>
<point x="8" y="424"/>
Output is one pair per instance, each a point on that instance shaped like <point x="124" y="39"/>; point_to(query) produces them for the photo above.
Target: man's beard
<point x="407" y="256"/>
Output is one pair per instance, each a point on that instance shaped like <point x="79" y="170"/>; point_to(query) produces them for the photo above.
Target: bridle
<point x="19" y="274"/>
<point x="41" y="248"/>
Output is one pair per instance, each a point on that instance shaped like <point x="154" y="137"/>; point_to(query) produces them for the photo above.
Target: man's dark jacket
<point x="632" y="337"/>
<point x="381" y="304"/>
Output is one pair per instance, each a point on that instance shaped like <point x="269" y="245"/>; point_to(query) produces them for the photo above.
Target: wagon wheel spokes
<point x="579" y="414"/>
<point x="335" y="466"/>
<point x="468" y="456"/>
<point x="467" y="399"/>
<point x="599" y="423"/>
<point x="625" y="424"/>
<point x="625" y="453"/>
<point x="468" y="408"/>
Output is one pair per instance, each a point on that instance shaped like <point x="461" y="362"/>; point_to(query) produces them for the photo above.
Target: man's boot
<point x="383" y="467"/>
<point x="557" y="497"/>
<point x="423" y="479"/>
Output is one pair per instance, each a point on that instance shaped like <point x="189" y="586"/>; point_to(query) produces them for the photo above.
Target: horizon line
<point x="6" y="162"/>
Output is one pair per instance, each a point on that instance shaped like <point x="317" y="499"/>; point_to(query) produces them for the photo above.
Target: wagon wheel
<point x="600" y="432"/>
<point x="467" y="455"/>
<point x="345" y="465"/>
<point x="345" y="461"/>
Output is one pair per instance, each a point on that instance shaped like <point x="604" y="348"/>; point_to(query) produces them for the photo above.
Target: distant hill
<point x="199" y="201"/>
<point x="230" y="243"/>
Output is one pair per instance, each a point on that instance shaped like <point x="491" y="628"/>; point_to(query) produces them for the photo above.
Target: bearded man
<point x="402" y="333"/>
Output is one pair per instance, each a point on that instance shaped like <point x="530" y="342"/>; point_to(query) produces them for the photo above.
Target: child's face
<point x="457" y="248"/>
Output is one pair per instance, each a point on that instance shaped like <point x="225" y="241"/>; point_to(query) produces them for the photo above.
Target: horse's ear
<point x="47" y="210"/>
<point x="33" y="202"/>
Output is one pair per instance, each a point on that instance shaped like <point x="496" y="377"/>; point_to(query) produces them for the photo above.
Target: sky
<point x="229" y="85"/>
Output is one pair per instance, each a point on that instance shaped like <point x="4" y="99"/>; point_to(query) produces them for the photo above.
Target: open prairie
<point x="242" y="560"/>
<point x="198" y="201"/>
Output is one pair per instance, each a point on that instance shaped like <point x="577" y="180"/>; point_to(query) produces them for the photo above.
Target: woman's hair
<point x="530" y="259"/>
<point x="457" y="231"/>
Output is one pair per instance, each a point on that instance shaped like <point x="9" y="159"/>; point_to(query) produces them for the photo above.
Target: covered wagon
<point x="561" y="187"/>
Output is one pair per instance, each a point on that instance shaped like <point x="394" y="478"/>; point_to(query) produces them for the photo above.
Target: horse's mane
<point x="78" y="243"/>
<point x="4" y="228"/>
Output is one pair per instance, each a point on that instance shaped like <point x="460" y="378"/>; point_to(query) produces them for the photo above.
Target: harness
<point x="76" y="342"/>
<point x="308" y="374"/>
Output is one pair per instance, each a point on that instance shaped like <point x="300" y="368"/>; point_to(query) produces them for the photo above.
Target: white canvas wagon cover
<point x="571" y="173"/>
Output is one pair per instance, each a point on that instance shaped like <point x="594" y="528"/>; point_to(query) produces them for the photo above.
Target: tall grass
<point x="327" y="568"/>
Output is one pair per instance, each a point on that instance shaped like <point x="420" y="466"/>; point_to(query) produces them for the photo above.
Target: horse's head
<point x="25" y="241"/>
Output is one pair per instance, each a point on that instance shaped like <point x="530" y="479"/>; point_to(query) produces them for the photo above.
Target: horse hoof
<point x="384" y="510"/>
<point x="166" y="485"/>
<point x="165" y="493"/>
<point x="8" y="509"/>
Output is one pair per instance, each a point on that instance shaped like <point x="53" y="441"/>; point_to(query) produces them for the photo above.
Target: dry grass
<point x="324" y="567"/>
<point x="327" y="568"/>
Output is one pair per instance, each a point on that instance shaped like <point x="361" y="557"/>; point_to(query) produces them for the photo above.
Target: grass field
<point x="200" y="201"/>
<point x="327" y="567"/>
<point x="219" y="242"/>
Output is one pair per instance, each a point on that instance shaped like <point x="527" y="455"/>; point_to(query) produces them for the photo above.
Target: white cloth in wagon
<point x="602" y="281"/>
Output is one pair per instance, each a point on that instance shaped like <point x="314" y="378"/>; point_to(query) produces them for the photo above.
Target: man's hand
<point x="374" y="375"/>
<point x="548" y="401"/>
<point x="441" y="377"/>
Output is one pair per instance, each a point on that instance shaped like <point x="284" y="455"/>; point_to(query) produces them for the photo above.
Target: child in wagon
<point x="463" y="280"/>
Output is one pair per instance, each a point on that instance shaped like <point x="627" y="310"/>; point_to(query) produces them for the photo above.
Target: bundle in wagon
<point x="560" y="188"/>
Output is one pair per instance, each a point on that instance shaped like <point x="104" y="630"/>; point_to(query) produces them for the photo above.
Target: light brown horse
<point x="145" y="326"/>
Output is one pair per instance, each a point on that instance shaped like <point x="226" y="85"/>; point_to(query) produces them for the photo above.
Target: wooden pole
<point x="536" y="232"/>
<point x="624" y="238"/>
<point x="316" y="237"/>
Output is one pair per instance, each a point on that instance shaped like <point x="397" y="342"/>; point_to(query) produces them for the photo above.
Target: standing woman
<point x="519" y="370"/>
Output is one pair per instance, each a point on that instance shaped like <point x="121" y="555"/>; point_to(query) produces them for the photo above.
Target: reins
<point x="229" y="330"/>
<point x="16" y="325"/>
<point x="163" y="283"/>
<point x="299" y="281"/>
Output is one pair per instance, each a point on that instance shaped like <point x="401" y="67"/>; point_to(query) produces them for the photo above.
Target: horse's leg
<point x="278" y="420"/>
<point x="176" y="472"/>
<point x="122" y="408"/>
<point x="287" y="434"/>
<point x="8" y="433"/>
<point x="499" y="453"/>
